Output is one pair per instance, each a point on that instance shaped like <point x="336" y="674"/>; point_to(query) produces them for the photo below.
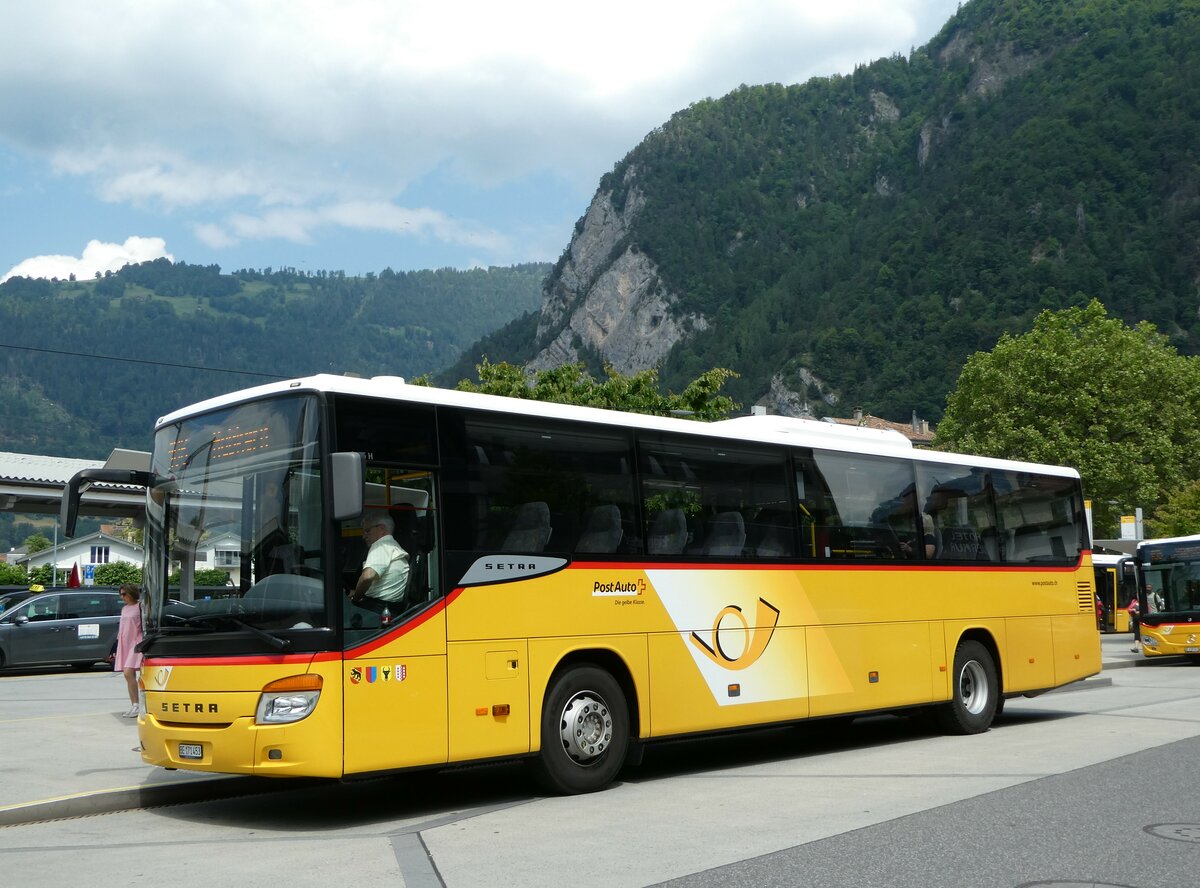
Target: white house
<point x="221" y="553"/>
<point x="91" y="550"/>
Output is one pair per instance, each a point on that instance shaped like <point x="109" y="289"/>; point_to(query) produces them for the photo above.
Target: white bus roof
<point x="762" y="428"/>
<point x="1192" y="538"/>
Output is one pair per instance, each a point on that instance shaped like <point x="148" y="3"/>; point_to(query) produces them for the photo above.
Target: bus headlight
<point x="288" y="700"/>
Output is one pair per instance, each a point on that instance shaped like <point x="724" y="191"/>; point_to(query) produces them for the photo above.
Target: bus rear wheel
<point x="585" y="731"/>
<point x="975" y="695"/>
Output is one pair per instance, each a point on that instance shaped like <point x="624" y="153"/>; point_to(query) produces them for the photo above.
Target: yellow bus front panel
<point x="189" y="727"/>
<point x="395" y="712"/>
<point x="1171" y="639"/>
<point x="395" y="696"/>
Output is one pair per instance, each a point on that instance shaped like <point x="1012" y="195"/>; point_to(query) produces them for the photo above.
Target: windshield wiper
<point x="273" y="640"/>
<point x="148" y="641"/>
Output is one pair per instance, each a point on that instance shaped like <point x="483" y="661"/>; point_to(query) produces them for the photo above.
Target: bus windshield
<point x="1171" y="573"/>
<point x="238" y="491"/>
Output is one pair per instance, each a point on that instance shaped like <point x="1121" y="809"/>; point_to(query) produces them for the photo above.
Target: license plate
<point x="1192" y="650"/>
<point x="191" y="751"/>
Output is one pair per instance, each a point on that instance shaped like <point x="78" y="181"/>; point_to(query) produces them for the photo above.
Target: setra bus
<point x="1169" y="599"/>
<point x="581" y="582"/>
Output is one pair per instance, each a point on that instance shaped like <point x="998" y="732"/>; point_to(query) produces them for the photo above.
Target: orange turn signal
<point x="310" y="681"/>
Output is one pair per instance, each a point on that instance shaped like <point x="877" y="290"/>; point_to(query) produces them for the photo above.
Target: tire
<point x="975" y="695"/>
<point x="585" y="731"/>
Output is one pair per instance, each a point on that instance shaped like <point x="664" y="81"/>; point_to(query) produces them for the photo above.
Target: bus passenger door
<point x="394" y="678"/>
<point x="394" y="688"/>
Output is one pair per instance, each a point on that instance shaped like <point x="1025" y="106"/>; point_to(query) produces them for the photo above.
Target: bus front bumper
<point x="241" y="746"/>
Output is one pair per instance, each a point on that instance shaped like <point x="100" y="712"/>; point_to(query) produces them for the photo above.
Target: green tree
<point x="207" y="577"/>
<point x="46" y="575"/>
<point x="639" y="393"/>
<point x="11" y="575"/>
<point x="1084" y="390"/>
<point x="36" y="542"/>
<point x="117" y="572"/>
<point x="1179" y="515"/>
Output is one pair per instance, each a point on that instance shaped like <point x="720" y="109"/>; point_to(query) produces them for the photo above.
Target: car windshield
<point x="7" y="601"/>
<point x="234" y="520"/>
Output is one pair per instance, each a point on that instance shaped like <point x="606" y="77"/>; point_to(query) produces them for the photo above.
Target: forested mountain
<point x="165" y="318"/>
<point x="858" y="237"/>
<point x="845" y="242"/>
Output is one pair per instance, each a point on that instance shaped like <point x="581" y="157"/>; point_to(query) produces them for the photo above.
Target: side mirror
<point x="348" y="476"/>
<point x="21" y="620"/>
<point x="69" y="511"/>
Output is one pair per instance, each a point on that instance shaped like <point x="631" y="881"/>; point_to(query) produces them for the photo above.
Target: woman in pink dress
<point x="128" y="659"/>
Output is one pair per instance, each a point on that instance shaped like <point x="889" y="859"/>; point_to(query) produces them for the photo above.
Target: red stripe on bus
<point x="312" y="657"/>
<point x="993" y="566"/>
<point x="402" y="628"/>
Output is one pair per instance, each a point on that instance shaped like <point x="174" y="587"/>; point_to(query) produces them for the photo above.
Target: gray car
<point x="76" y="626"/>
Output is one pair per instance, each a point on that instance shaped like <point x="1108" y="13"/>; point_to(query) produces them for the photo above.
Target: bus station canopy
<point x="31" y="484"/>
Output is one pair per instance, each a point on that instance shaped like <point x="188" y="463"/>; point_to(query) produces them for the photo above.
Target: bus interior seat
<point x="726" y="535"/>
<point x="285" y="558"/>
<point x="668" y="533"/>
<point x="769" y="534"/>
<point x="603" y="532"/>
<point x="531" y="530"/>
<point x="410" y="531"/>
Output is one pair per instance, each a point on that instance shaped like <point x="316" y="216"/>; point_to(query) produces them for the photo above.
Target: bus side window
<point x="717" y="487"/>
<point x="532" y="486"/>
<point x="957" y="501"/>
<point x="868" y="507"/>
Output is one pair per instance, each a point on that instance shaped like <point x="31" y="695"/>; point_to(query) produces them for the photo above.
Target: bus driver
<point x="384" y="576"/>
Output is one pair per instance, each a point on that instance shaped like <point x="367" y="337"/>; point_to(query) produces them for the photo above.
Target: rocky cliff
<point x="609" y="299"/>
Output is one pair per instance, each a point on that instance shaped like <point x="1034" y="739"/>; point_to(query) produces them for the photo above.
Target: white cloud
<point x="273" y="119"/>
<point x="97" y="258"/>
<point x="301" y="225"/>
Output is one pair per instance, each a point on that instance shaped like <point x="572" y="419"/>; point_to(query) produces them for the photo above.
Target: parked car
<point x="73" y="626"/>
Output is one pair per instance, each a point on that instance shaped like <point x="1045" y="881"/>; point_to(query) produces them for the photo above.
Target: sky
<point x="359" y="135"/>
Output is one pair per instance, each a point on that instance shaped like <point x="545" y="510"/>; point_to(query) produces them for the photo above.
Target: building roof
<point x="918" y="431"/>
<point x="36" y="469"/>
<point x="78" y="542"/>
<point x="33" y="484"/>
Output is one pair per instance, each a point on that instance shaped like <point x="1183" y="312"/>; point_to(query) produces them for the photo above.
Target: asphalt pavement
<point x="69" y="752"/>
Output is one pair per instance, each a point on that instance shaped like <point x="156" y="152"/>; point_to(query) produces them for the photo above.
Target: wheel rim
<point x="973" y="687"/>
<point x="586" y="727"/>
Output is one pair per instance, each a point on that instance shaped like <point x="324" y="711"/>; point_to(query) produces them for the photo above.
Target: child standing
<point x="129" y="633"/>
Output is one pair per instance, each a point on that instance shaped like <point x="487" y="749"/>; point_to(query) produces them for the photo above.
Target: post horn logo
<point x="756" y="641"/>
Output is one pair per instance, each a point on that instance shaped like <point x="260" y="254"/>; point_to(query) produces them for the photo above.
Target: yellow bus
<point x="1170" y="596"/>
<point x="1116" y="587"/>
<point x="580" y="582"/>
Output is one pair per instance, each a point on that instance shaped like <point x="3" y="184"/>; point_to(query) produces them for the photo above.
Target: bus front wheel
<point x="585" y="731"/>
<point x="975" y="695"/>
